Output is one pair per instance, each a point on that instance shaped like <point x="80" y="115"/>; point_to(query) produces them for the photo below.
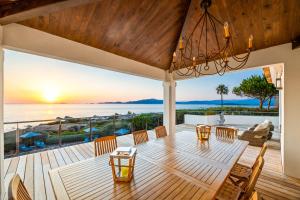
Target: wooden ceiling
<point x="147" y="31"/>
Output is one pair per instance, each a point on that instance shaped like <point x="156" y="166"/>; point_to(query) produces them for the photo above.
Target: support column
<point x="170" y="104"/>
<point x="1" y="117"/>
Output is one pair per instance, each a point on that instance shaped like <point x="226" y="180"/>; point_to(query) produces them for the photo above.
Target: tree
<point x="272" y="92"/>
<point x="221" y="90"/>
<point x="255" y="87"/>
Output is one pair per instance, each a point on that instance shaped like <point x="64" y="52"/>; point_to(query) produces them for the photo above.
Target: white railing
<point x="230" y="119"/>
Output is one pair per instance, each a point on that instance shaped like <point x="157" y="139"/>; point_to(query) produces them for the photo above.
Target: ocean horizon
<point x="27" y="112"/>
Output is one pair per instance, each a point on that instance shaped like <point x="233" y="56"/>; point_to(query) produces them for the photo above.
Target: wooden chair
<point x="203" y="131"/>
<point x="160" y="131"/>
<point x="105" y="145"/>
<point x="230" y="191"/>
<point x="140" y="137"/>
<point x="225" y="132"/>
<point x="242" y="172"/>
<point x="254" y="196"/>
<point x="17" y="189"/>
<point x="248" y="187"/>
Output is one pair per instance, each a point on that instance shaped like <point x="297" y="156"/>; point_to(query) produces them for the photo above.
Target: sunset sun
<point x="50" y="94"/>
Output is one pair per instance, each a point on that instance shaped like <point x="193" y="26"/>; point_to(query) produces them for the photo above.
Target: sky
<point x="36" y="79"/>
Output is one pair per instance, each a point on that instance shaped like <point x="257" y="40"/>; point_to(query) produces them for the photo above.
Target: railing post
<point x="59" y="133"/>
<point x="17" y="139"/>
<point x="158" y="121"/>
<point x="114" y="123"/>
<point x="91" y="132"/>
<point x="131" y="127"/>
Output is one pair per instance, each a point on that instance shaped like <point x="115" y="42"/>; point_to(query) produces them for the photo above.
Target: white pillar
<point x="1" y="117"/>
<point x="170" y="104"/>
<point x="291" y="109"/>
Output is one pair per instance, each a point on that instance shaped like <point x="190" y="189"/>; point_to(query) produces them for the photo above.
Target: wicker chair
<point x="17" y="189"/>
<point x="242" y="173"/>
<point x="105" y="145"/>
<point x="140" y="137"/>
<point x="230" y="191"/>
<point x="160" y="131"/>
<point x="257" y="137"/>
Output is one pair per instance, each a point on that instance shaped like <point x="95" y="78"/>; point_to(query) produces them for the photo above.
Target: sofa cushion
<point x="261" y="127"/>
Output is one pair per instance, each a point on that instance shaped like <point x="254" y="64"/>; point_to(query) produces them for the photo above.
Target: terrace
<point x="124" y="37"/>
<point x="33" y="168"/>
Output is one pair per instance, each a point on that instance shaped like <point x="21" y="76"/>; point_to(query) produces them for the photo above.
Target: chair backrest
<point x="261" y="154"/>
<point x="17" y="189"/>
<point x="160" y="131"/>
<point x="140" y="136"/>
<point x="254" y="196"/>
<point x="249" y="188"/>
<point x="105" y="145"/>
<point x="225" y="132"/>
<point x="203" y="130"/>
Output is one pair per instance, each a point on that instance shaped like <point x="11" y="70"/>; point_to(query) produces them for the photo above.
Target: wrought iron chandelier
<point x="191" y="60"/>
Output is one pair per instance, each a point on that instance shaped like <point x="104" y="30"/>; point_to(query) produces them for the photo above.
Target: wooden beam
<point x="21" y="10"/>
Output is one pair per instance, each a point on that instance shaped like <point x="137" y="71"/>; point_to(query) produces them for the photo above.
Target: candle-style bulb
<point x="250" y="42"/>
<point x="174" y="57"/>
<point x="194" y="61"/>
<point x="226" y="30"/>
<point x="180" y="43"/>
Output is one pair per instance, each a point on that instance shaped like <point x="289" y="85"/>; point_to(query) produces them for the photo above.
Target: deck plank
<point x="28" y="179"/>
<point x="272" y="184"/>
<point x="46" y="167"/>
<point x="38" y="175"/>
<point x="10" y="173"/>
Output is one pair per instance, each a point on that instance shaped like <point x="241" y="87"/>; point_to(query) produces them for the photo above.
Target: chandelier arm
<point x="215" y="19"/>
<point x="206" y="36"/>
<point x="240" y="57"/>
<point x="235" y="57"/>
<point x="215" y="29"/>
<point x="200" y="38"/>
<point x="192" y="33"/>
<point x="242" y="64"/>
<point x="216" y="67"/>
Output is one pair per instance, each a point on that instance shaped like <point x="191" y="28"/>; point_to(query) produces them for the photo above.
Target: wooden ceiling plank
<point x="148" y="31"/>
<point x="43" y="7"/>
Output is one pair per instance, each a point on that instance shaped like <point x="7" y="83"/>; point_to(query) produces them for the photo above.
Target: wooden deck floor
<point x="33" y="169"/>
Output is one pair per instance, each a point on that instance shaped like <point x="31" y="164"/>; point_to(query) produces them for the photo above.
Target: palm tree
<point x="221" y="90"/>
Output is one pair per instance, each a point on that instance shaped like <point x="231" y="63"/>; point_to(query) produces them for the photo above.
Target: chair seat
<point x="229" y="192"/>
<point x="241" y="172"/>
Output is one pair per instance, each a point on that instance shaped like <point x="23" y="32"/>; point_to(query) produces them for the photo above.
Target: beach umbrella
<point x="30" y="135"/>
<point x="122" y="131"/>
<point x="87" y="130"/>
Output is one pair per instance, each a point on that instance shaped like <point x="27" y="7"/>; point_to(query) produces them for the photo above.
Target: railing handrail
<point x="93" y="117"/>
<point x="62" y="119"/>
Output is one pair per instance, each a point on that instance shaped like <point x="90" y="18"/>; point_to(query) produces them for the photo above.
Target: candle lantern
<point x="203" y="132"/>
<point x="122" y="162"/>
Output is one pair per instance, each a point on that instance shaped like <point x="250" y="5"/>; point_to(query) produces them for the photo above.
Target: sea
<point x="29" y="112"/>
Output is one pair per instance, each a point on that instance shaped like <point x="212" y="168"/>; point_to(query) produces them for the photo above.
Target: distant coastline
<point x="232" y="102"/>
<point x="251" y="102"/>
